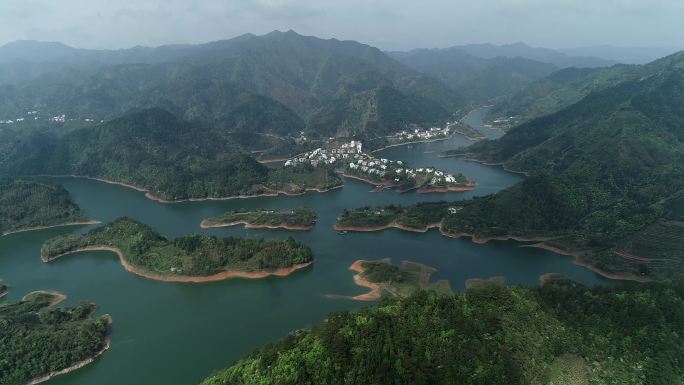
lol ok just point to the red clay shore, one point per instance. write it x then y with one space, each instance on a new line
179 278
57 297
206 225
470 186
392 225
481 241
620 277
77 365
84 223
376 290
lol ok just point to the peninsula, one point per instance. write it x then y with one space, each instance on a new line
40 341
194 258
397 281
27 205
348 159
301 218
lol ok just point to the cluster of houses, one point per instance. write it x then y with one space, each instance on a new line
350 158
331 156
429 134
33 115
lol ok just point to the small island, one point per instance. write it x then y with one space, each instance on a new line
3 288
397 281
301 218
27 205
418 218
40 341
194 258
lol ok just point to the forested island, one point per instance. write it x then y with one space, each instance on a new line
194 258
487 335
31 205
300 218
40 341
383 277
420 217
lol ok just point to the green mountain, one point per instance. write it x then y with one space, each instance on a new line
544 55
26 204
561 333
477 79
155 150
604 169
280 83
567 87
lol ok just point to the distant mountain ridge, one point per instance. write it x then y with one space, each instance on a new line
254 83
544 55
478 79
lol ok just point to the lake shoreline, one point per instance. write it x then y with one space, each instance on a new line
376 290
37 228
248 225
57 297
540 244
149 195
79 364
281 272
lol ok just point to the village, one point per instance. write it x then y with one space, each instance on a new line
434 133
34 115
349 159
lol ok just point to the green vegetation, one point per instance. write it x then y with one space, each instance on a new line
478 79
603 170
37 339
467 131
417 217
487 335
26 203
280 84
300 178
403 280
298 218
194 255
154 150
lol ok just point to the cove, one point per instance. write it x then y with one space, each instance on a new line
178 333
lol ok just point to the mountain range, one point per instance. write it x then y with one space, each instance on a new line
280 83
605 170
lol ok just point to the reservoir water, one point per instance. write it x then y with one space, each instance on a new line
178 333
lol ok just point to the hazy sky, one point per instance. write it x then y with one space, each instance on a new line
388 24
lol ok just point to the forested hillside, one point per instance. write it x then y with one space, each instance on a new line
603 169
558 334
154 150
25 204
38 339
477 79
279 83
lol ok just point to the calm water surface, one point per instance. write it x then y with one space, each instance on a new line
178 333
